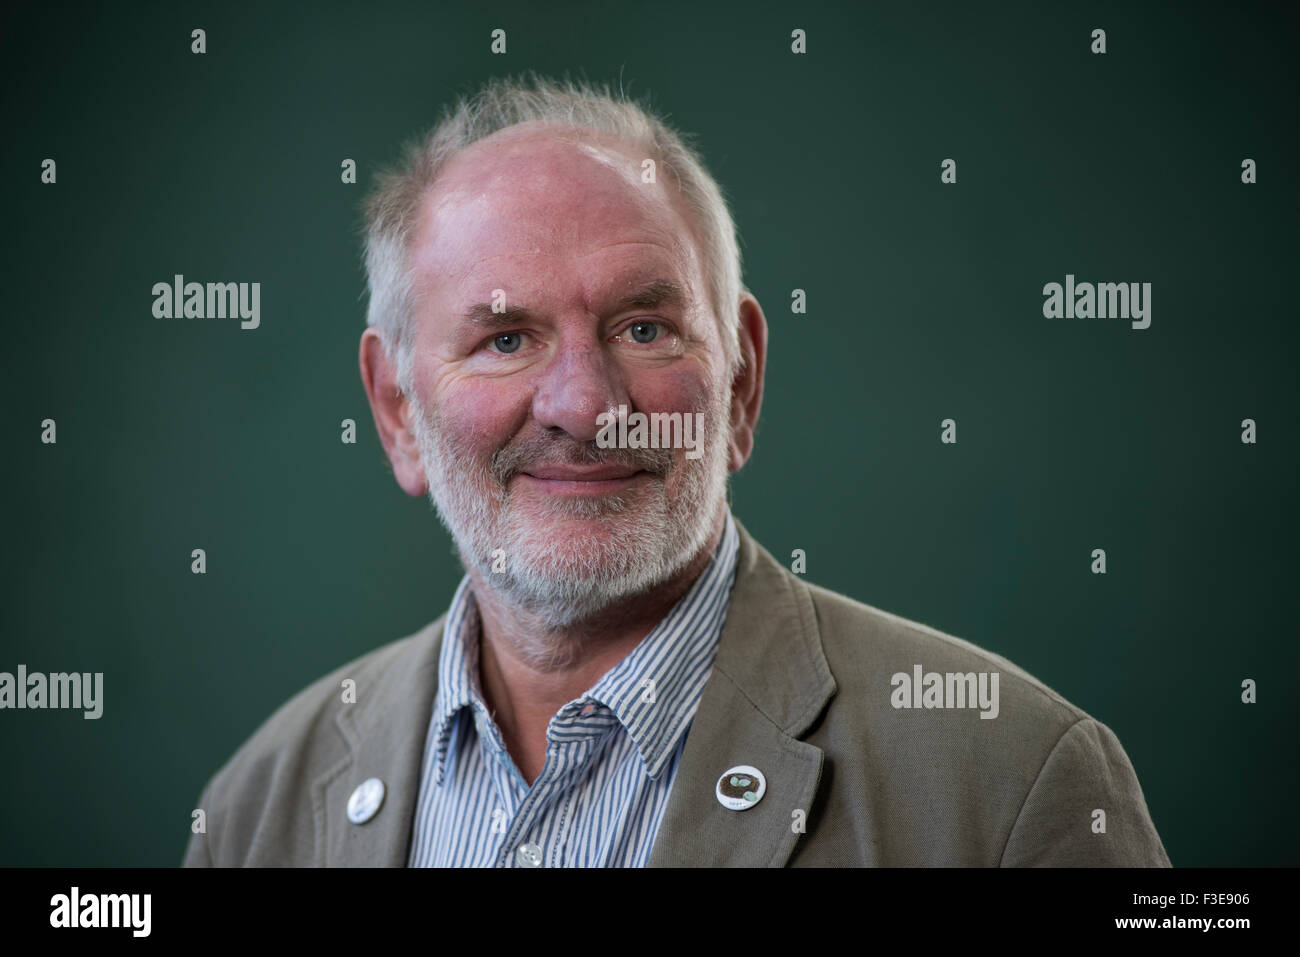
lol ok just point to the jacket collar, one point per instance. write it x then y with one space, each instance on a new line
770 681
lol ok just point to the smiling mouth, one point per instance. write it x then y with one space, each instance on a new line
579 473
570 480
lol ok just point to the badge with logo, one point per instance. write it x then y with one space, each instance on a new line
741 788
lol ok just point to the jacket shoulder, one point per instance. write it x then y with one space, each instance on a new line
261 785
937 783
868 641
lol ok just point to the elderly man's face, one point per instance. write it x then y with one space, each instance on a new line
606 304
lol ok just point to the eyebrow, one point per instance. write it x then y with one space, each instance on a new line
659 292
650 295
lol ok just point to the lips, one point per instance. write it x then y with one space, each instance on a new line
573 473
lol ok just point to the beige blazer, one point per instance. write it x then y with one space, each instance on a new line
803 689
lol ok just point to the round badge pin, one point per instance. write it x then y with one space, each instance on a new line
741 787
365 800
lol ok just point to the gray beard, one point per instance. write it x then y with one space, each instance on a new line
647 540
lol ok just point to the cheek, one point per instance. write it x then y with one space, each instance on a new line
679 389
482 415
686 390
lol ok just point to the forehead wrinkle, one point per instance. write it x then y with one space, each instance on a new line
656 213
606 285
557 238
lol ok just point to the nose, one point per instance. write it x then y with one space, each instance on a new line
579 383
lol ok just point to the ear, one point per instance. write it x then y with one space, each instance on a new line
747 386
393 414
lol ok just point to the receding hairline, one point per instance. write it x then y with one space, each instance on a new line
569 134
633 149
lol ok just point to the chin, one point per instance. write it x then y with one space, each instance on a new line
573 576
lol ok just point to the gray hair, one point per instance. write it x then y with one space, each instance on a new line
391 210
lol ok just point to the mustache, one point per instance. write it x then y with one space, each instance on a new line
519 456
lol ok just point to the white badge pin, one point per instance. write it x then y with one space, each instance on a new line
741 788
365 800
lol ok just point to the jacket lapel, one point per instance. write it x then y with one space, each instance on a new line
385 732
770 681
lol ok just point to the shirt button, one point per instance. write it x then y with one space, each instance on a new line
529 855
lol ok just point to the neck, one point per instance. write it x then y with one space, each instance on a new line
528 670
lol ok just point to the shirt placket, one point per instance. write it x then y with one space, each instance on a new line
538 832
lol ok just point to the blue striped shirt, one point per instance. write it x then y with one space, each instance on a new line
611 758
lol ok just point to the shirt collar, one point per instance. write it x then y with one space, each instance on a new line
653 692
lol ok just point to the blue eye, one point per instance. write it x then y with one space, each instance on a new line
507 342
644 331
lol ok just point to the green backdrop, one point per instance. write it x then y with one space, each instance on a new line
924 303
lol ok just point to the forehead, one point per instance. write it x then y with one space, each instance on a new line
539 201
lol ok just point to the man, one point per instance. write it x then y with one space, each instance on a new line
625 677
